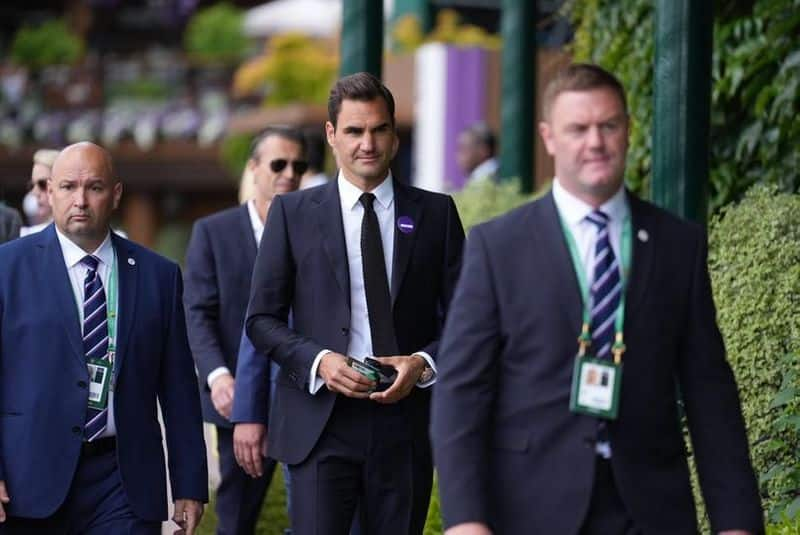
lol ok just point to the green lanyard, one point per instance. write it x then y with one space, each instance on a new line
585 338
111 309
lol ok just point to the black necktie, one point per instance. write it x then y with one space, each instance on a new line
376 285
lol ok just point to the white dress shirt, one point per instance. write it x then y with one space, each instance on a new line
77 274
573 212
359 344
258 230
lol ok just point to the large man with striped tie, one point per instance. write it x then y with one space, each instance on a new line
536 428
92 336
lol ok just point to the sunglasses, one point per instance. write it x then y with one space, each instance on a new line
298 166
40 184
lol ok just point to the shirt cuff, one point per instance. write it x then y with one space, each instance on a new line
432 365
216 373
314 381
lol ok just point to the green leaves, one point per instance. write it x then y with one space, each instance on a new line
50 43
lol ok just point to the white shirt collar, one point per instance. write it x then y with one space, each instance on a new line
73 254
350 194
255 220
574 210
486 169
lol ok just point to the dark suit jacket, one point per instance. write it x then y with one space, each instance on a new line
219 266
302 267
10 223
43 373
508 450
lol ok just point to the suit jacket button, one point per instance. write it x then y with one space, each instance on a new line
82 384
76 429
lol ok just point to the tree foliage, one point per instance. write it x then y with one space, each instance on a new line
51 43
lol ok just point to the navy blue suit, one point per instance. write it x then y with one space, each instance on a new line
302 266
219 265
43 377
508 450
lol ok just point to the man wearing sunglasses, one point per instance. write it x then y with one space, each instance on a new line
219 265
42 165
366 265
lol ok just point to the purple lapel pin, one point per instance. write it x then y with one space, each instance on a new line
405 224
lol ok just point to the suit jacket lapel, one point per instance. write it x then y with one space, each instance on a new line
58 280
251 247
555 250
642 254
329 219
407 205
128 272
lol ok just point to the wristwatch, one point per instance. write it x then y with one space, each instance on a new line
426 375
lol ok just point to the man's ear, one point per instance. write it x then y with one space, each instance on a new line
545 130
330 133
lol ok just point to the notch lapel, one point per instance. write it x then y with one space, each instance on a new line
641 255
555 249
128 271
251 247
407 205
329 219
58 279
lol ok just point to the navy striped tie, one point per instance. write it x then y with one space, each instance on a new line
606 288
95 336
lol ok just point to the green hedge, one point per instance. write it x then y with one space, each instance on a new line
754 259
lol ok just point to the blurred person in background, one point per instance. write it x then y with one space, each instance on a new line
219 260
10 223
475 153
315 154
42 216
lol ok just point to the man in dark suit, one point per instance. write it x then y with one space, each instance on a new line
92 340
523 443
328 256
219 266
10 223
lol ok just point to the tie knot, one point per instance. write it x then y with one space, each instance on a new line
598 218
90 262
366 200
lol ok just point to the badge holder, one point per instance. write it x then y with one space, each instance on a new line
596 382
99 382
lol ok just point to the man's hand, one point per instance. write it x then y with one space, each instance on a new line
341 378
222 394
409 368
735 532
249 446
4 499
187 516
470 528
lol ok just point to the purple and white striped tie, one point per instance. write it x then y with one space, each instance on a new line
95 337
606 288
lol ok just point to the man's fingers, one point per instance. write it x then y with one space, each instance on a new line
4 498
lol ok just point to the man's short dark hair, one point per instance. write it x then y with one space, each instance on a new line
481 134
315 147
361 86
284 131
580 77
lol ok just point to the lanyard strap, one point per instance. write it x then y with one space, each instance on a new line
619 321
111 309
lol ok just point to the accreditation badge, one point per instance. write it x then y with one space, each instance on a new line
99 382
595 387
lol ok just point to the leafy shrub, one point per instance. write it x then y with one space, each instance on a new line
754 260
481 201
214 35
50 43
